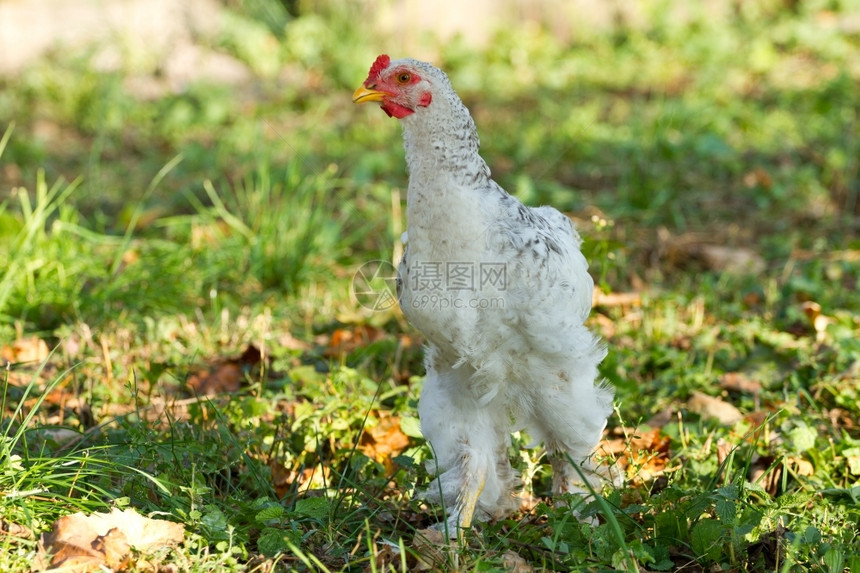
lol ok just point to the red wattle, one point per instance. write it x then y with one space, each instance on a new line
396 110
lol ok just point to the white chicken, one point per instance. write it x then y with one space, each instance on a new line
501 292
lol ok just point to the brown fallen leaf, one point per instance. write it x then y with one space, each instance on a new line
209 235
600 298
32 349
114 546
290 342
384 441
818 321
221 378
801 466
642 453
710 407
758 177
347 340
724 448
847 255
514 563
432 550
766 473
843 419
59 437
81 543
226 375
528 501
286 480
282 478
603 324
13 529
661 418
757 420
696 250
740 260
386 556
739 382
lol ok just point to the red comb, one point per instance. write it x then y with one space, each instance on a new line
380 64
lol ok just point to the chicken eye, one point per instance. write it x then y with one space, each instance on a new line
404 78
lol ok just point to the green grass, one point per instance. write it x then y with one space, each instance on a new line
147 239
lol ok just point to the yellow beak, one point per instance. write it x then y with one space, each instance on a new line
364 95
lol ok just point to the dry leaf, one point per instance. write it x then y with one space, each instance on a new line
208 235
226 375
758 177
290 342
15 530
80 543
384 441
31 349
643 454
846 256
286 480
696 250
710 407
753 298
61 437
514 563
661 418
115 548
738 260
433 551
386 557
528 501
600 298
218 379
345 340
605 325
842 418
724 448
801 466
739 382
282 478
817 320
770 482
756 420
